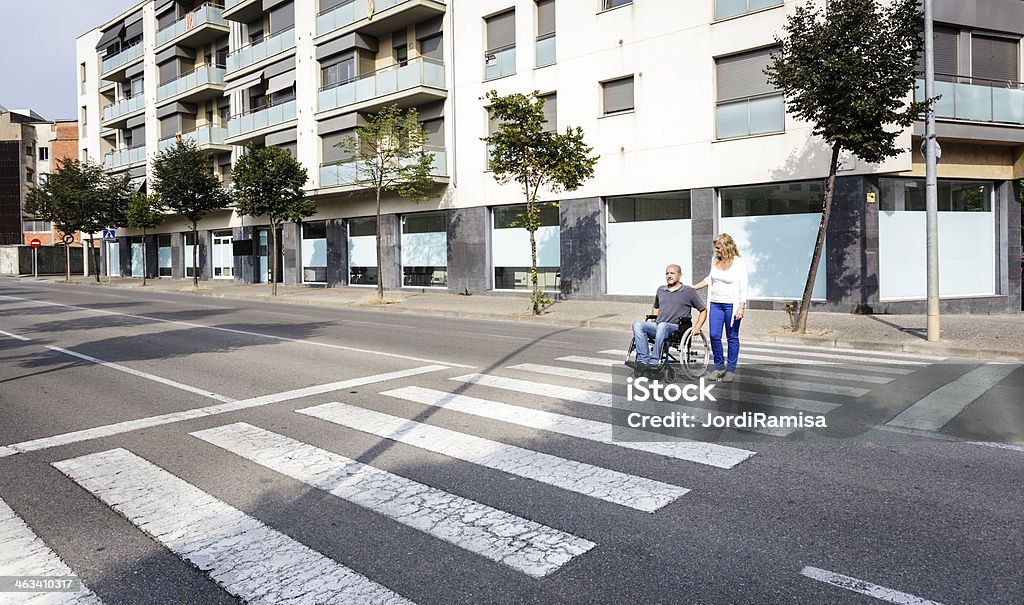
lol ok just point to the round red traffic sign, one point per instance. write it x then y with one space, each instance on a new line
35 243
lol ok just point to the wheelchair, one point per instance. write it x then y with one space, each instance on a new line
682 350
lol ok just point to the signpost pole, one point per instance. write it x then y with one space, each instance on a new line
35 262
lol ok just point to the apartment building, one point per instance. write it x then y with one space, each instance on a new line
693 141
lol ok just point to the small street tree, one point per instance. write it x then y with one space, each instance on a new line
184 179
268 182
144 212
522 150
60 199
848 70
388 156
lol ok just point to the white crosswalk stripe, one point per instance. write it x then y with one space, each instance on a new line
712 454
612 486
245 557
798 353
594 361
771 359
920 357
781 369
538 388
561 371
940 406
801 385
22 553
526 546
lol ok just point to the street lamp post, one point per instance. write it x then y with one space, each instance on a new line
931 181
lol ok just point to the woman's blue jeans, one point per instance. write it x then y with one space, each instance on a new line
719 317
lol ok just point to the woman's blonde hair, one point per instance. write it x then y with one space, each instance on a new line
729 250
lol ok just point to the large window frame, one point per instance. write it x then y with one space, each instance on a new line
746 106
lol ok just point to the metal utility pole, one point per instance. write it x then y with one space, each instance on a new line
931 184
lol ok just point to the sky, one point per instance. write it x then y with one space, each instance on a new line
37 46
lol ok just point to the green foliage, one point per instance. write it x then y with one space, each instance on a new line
184 179
523 151
268 181
848 69
144 212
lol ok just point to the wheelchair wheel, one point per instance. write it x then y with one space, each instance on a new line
670 374
696 354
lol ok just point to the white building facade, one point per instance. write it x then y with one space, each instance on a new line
670 94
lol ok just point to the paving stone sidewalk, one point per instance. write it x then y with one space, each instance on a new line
998 336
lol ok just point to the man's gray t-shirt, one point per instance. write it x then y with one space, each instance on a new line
674 306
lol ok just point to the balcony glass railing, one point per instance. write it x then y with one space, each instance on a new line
132 52
417 72
199 77
976 99
202 136
207 13
116 110
546 50
349 173
252 121
347 14
124 157
500 62
254 53
232 3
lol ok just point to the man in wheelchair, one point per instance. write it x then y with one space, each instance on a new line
671 314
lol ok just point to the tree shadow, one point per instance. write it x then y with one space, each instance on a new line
584 253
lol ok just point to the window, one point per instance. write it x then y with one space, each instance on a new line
223 257
649 207
314 252
610 4
730 8
511 249
425 250
282 18
30 176
994 59
341 71
953 196
661 222
545 32
431 47
500 56
38 226
163 246
550 112
617 95
255 31
362 252
81 76
44 178
747 103
44 154
765 200
28 150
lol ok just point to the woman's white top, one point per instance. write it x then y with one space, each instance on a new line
728 286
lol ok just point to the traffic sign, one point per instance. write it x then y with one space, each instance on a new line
69 238
108 235
35 243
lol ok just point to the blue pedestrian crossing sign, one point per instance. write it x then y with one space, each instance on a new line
108 235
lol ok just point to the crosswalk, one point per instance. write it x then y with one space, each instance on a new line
255 562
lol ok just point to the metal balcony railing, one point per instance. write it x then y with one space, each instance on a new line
209 12
417 72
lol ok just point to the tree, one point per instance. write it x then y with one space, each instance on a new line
268 182
144 212
80 196
522 150
185 181
848 69
388 155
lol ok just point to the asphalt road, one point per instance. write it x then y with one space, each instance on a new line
484 490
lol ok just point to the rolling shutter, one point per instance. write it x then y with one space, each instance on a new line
501 30
994 58
742 76
618 95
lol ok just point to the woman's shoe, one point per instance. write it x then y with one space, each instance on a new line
716 374
728 376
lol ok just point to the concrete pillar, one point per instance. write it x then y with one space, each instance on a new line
703 226
337 253
152 251
243 266
391 251
177 264
469 232
204 241
124 246
290 259
1008 244
582 246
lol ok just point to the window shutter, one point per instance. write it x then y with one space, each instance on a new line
501 30
741 76
551 112
946 52
994 58
431 47
545 17
618 95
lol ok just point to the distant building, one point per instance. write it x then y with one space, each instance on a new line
56 141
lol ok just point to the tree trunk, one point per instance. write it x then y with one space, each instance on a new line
145 261
819 243
380 277
531 218
96 260
195 256
273 261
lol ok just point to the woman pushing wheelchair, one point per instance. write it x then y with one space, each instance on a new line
727 300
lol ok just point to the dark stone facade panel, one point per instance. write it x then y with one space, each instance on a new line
291 234
337 253
177 263
468 250
391 251
581 246
152 252
704 216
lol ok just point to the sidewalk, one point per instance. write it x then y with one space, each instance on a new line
972 336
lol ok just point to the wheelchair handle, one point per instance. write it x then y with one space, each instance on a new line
650 317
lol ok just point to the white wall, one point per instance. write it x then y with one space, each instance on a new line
639 251
512 247
778 250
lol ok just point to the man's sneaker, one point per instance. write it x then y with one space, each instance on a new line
728 376
716 374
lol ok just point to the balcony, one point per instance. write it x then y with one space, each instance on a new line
419 81
250 55
123 158
348 174
252 124
500 62
388 16
122 59
204 82
242 11
199 27
977 100
204 137
122 109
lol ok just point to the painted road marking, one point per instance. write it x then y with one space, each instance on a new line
375 353
865 588
913 360
23 553
712 454
635 492
820 362
800 385
15 336
594 361
523 545
241 554
942 437
781 369
943 404
874 354
141 423
566 372
538 388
